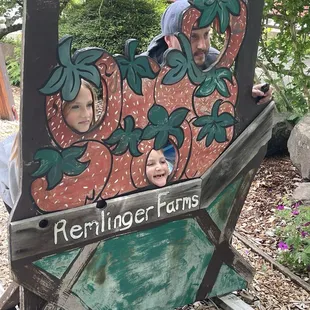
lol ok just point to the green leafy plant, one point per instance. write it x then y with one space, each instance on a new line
214 125
13 63
294 234
126 138
215 80
66 77
54 164
210 9
182 62
134 68
162 125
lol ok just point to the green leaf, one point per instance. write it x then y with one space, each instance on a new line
161 139
88 56
226 120
203 120
73 152
72 85
220 134
115 137
74 167
177 117
143 67
129 123
54 176
178 64
90 73
130 49
149 132
133 148
178 134
55 82
222 88
158 115
215 108
123 64
64 51
202 133
211 136
134 81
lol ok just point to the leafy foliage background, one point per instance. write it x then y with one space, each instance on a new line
109 23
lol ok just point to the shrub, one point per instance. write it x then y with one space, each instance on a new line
13 63
294 235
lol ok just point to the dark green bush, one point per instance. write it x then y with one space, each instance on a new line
109 23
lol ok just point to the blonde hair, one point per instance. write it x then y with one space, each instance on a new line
66 104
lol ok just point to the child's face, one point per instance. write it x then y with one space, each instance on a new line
79 113
157 168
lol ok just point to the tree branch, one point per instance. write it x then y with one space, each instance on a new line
10 29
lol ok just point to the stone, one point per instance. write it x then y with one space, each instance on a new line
280 134
302 192
299 147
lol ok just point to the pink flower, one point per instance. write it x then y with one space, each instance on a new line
281 207
295 212
307 224
304 234
296 204
282 246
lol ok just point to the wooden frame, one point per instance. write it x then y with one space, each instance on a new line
199 206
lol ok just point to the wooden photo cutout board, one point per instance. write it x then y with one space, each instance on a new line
89 230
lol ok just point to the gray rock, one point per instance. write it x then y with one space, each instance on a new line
302 192
281 131
299 147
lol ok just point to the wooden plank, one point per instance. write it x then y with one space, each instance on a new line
29 300
297 280
246 108
237 156
6 96
87 224
231 302
10 298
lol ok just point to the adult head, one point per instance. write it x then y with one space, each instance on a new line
80 113
157 170
171 23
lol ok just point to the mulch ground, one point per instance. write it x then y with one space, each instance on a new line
270 289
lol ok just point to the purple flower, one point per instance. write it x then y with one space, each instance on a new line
295 212
280 207
282 246
304 234
296 204
307 224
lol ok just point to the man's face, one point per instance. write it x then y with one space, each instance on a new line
200 43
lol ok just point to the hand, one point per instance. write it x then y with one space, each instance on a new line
256 92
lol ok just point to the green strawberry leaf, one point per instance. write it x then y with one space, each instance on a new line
126 138
66 77
213 127
53 164
161 140
215 80
210 9
177 117
134 68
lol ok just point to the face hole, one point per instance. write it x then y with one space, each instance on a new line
160 165
43 223
101 204
85 110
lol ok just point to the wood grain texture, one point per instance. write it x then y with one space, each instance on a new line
237 156
27 236
29 300
10 298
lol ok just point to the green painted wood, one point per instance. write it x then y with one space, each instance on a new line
160 268
57 264
228 280
220 208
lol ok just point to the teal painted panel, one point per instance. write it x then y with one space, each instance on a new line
221 206
228 280
57 264
158 269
